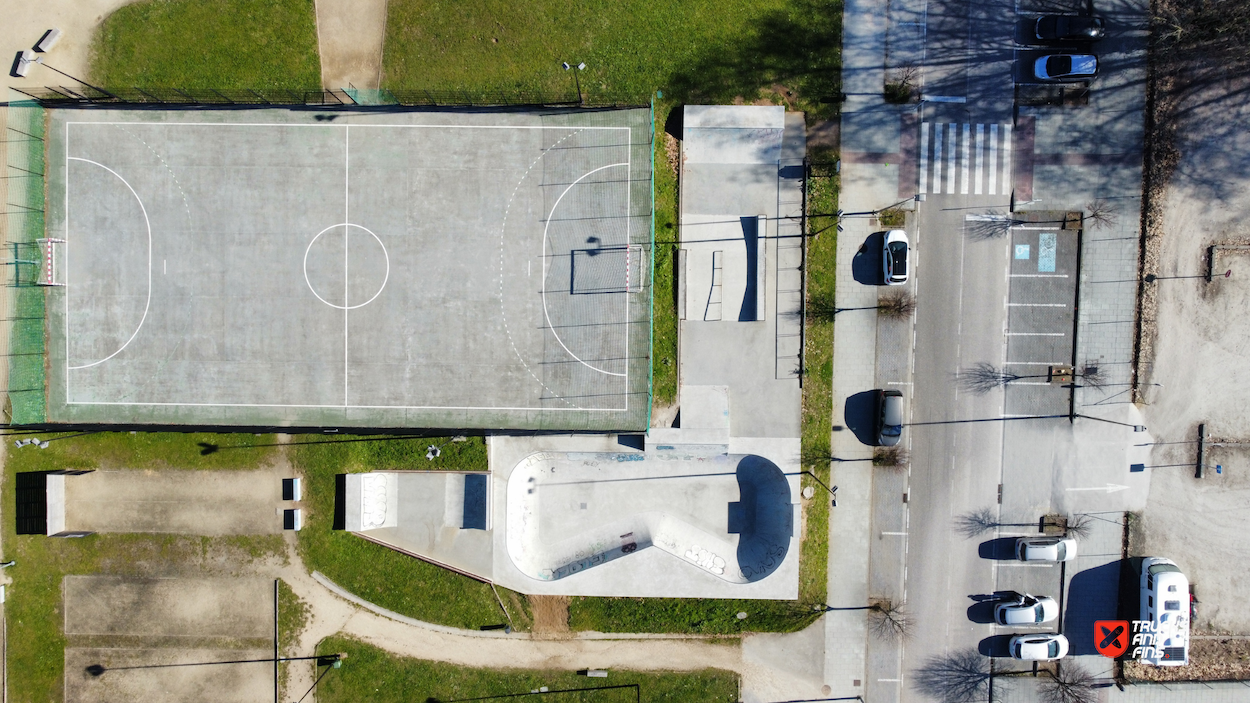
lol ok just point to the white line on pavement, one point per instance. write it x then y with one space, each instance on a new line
993 158
1039 275
924 158
1037 305
963 177
980 160
1006 159
952 137
1037 334
895 534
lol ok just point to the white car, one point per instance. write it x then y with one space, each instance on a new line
1065 67
1026 610
1039 648
894 257
1052 549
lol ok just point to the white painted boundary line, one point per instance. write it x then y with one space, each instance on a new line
346 127
924 158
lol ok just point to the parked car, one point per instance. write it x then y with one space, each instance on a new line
1045 549
895 257
1061 28
1039 647
1026 610
1065 67
889 417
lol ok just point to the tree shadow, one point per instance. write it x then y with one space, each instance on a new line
860 415
866 267
797 47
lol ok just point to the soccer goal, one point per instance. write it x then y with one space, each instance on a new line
51 262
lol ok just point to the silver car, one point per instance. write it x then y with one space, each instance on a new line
889 417
1026 610
895 257
1052 549
1038 648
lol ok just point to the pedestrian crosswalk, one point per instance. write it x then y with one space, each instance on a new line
965 158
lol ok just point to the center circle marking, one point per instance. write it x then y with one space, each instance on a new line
386 256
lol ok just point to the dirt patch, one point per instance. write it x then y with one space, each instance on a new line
114 605
672 152
182 684
663 415
824 134
551 614
1209 660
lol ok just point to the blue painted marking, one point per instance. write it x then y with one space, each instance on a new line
1134 468
1022 251
1046 252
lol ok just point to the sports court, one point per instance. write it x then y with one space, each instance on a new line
476 269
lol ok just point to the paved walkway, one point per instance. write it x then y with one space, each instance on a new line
350 35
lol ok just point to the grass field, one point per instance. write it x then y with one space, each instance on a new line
370 675
223 44
36 642
380 575
705 50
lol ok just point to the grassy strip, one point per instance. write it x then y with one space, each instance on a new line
664 289
221 44
703 616
371 675
822 197
33 606
693 50
380 575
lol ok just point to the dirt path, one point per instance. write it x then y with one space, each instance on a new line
25 23
350 35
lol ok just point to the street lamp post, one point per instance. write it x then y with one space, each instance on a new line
580 67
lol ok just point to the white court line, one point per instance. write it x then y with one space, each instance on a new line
347 234
993 179
629 154
338 407
963 176
147 305
952 137
324 126
976 189
544 288
924 157
938 136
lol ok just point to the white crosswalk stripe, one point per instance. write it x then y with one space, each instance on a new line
975 159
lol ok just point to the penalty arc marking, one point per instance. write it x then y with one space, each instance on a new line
147 304
544 258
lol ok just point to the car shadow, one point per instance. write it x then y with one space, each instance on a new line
982 612
995 646
866 266
1093 595
860 415
1000 548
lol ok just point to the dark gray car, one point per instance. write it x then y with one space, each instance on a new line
889 417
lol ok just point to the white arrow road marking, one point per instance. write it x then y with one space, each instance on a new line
1110 488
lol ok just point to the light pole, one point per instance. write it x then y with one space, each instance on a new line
580 67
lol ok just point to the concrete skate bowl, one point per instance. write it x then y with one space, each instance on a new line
728 515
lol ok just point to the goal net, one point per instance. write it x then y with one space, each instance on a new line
51 262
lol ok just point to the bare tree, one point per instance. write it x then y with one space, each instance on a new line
890 457
896 305
991 225
976 522
889 620
1079 526
1091 375
957 677
1100 213
983 377
1068 683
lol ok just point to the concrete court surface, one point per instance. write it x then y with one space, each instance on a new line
294 267
224 683
237 608
210 503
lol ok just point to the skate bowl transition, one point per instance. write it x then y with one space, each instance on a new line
730 515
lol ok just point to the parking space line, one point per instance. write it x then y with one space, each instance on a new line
963 176
1035 566
1037 305
1029 383
895 534
1039 275
1035 363
1037 334
993 158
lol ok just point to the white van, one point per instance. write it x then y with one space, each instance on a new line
1165 608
